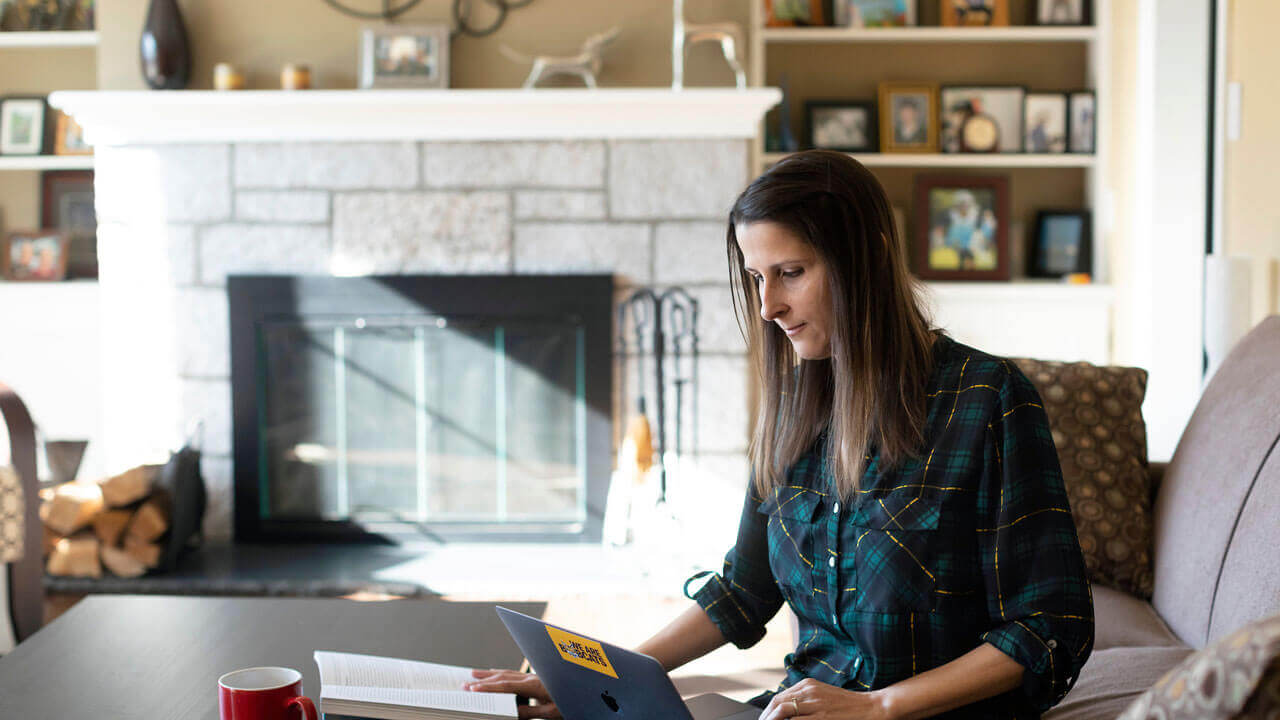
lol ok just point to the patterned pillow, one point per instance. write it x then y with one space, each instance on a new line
1095 414
11 515
1236 677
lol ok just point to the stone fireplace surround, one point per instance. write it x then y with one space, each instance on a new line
193 187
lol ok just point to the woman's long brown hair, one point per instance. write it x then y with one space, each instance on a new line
871 390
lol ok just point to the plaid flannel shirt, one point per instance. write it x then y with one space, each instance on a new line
972 542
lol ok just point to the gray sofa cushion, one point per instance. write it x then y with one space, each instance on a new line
1250 584
1205 486
1122 620
1114 678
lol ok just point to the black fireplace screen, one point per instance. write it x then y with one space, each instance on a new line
447 420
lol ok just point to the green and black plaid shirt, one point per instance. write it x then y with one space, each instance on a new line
971 543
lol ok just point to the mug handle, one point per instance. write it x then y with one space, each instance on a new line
304 703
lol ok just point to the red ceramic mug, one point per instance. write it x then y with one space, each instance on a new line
263 693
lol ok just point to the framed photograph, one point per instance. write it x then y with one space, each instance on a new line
874 13
962 227
793 13
22 125
974 13
842 125
1044 123
1062 244
405 56
982 118
1062 12
908 117
68 137
67 205
36 255
1082 122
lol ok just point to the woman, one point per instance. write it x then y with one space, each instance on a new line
906 498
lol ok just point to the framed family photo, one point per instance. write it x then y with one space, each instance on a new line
984 118
793 13
1062 244
973 13
1044 122
68 137
874 13
67 205
849 126
908 117
36 255
1082 122
405 56
962 227
1062 12
22 125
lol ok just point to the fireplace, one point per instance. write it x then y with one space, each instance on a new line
409 407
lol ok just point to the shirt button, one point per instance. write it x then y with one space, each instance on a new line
835 509
831 562
1053 644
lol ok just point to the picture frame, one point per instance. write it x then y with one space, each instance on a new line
1044 123
873 13
68 136
1002 103
844 125
961 227
1082 122
973 13
405 56
34 255
794 13
908 117
1064 12
23 125
67 204
1062 244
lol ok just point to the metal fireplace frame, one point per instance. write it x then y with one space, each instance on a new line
255 299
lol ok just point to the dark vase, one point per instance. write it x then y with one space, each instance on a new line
166 55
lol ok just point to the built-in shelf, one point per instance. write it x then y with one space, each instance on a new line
49 39
47 162
1023 290
929 34
961 160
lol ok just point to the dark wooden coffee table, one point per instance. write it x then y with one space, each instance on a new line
159 657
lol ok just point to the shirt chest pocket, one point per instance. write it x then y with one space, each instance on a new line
894 547
791 512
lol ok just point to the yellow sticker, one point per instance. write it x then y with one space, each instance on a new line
581 651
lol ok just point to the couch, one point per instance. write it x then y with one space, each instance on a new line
1216 538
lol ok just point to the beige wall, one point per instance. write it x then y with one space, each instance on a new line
1250 208
259 36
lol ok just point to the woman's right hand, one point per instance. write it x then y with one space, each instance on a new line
524 685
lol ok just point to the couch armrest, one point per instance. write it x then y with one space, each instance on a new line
1155 473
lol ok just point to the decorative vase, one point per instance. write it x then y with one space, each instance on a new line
166 54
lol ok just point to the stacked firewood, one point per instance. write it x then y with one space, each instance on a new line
117 523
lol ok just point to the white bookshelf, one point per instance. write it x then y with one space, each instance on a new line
961 160
49 39
929 35
46 162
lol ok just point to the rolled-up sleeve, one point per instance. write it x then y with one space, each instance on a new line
743 597
1038 597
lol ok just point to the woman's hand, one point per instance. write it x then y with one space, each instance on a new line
524 685
812 699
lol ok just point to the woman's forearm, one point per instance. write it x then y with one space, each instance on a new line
690 636
978 674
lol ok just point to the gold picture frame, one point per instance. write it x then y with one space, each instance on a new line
908 117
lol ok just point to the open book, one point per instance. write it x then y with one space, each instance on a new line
368 686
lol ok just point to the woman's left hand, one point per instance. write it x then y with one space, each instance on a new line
810 698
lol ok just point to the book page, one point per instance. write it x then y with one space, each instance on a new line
499 704
352 670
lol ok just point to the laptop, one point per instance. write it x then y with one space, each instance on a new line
593 680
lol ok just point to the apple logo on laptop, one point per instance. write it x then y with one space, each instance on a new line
608 700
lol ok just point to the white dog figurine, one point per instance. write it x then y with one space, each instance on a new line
586 64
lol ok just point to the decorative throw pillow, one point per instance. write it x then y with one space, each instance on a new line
11 515
1236 677
1095 414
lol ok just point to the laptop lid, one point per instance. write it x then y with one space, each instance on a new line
593 680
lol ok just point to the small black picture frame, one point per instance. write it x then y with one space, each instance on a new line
1063 12
844 125
1062 244
24 125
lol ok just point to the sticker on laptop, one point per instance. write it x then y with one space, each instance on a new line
581 651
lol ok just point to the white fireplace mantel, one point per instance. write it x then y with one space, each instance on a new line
146 117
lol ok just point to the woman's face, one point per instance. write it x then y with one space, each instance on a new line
792 282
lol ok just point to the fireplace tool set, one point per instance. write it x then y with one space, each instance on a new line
663 324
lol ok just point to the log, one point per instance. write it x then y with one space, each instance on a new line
150 520
129 486
109 525
122 563
76 557
72 507
144 552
